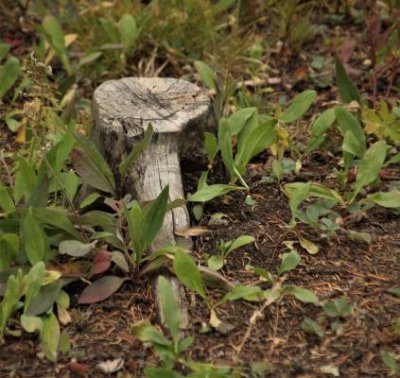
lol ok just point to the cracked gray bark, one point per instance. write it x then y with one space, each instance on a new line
179 113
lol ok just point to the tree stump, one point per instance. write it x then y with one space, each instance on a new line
178 112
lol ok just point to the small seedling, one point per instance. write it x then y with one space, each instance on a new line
338 308
224 249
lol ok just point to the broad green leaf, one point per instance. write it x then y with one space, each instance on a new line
154 216
242 292
188 273
102 219
289 262
40 194
206 73
253 143
6 202
25 180
50 336
128 31
135 222
386 199
33 281
34 239
65 342
8 74
225 145
146 332
303 295
31 323
354 138
44 300
55 37
185 344
170 308
338 308
209 370
13 124
136 151
347 90
57 218
267 137
91 165
75 248
310 326
243 122
370 166
119 259
321 191
179 202
297 193
240 242
215 262
263 273
323 122
101 289
299 106
63 299
211 146
92 197
67 182
212 191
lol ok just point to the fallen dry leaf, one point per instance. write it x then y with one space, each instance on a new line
192 231
111 366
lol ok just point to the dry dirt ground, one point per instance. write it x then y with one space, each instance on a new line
360 272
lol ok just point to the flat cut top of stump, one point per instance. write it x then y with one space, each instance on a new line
170 105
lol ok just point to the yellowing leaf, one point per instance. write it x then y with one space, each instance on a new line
308 245
51 276
69 39
21 135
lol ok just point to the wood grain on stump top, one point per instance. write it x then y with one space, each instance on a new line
170 105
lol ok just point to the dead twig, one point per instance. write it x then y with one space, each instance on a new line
275 293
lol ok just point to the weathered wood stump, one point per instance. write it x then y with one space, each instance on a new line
178 112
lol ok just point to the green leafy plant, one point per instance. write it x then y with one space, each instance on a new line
224 249
338 308
9 73
167 350
34 232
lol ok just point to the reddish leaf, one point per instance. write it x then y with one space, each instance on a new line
101 262
101 289
80 369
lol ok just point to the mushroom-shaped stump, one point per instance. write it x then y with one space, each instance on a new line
178 112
